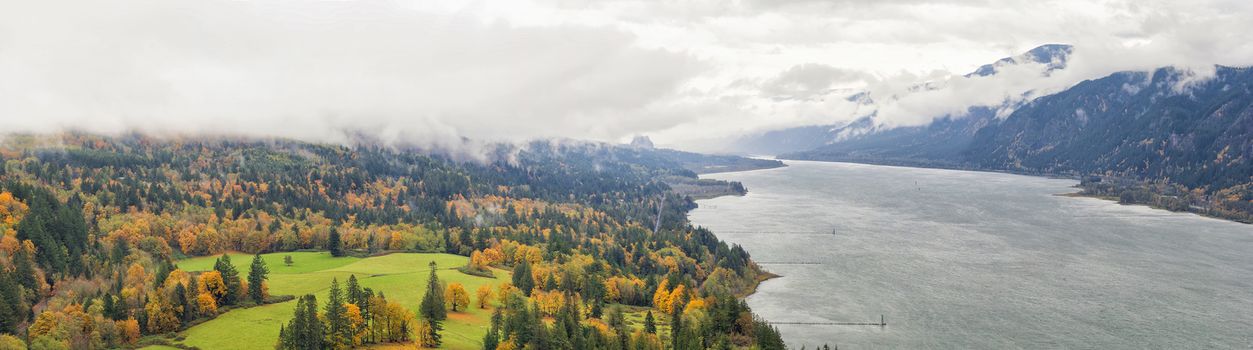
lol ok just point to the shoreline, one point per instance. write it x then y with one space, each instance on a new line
1116 200
918 165
762 278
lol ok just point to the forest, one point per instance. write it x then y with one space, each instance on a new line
94 228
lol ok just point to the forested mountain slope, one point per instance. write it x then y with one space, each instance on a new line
92 226
939 143
1157 125
1165 138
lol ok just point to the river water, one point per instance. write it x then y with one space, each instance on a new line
974 260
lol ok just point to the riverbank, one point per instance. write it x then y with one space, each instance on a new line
1116 199
1121 190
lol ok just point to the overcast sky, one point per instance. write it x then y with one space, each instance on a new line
682 72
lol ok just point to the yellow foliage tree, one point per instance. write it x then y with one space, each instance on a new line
508 344
661 298
129 330
549 302
675 299
456 297
477 261
178 276
11 209
424 334
208 305
504 290
161 316
493 256
645 341
211 283
484 294
136 277
44 324
9 342
397 241
356 322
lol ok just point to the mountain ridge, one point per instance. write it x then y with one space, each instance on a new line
1161 138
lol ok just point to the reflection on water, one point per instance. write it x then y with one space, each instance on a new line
957 259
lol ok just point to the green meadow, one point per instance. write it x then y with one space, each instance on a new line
400 276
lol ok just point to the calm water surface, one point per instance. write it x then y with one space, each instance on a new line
958 259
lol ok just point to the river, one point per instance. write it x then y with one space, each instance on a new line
976 260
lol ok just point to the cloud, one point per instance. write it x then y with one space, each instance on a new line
805 81
320 70
436 72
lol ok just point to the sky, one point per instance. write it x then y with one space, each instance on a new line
686 73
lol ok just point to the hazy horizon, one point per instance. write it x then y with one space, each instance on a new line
686 74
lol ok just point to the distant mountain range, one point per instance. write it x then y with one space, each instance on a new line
864 139
1137 124
1163 138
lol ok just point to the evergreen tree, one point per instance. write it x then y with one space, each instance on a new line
767 337
432 307
338 330
10 303
163 272
119 311
650 325
597 308
230 277
522 277
492 339
615 318
676 329
334 244
257 274
120 250
185 309
305 330
24 271
107 305
355 294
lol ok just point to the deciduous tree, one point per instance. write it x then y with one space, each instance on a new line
458 298
484 296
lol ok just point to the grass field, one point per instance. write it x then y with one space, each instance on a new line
401 277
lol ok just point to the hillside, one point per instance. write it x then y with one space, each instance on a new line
862 140
95 230
1155 138
1154 126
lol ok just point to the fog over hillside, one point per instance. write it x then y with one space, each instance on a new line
685 73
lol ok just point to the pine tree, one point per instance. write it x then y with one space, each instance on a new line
24 271
493 334
650 325
230 277
107 305
355 294
257 274
163 272
185 309
305 330
676 329
522 277
120 250
10 301
432 308
334 245
339 331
